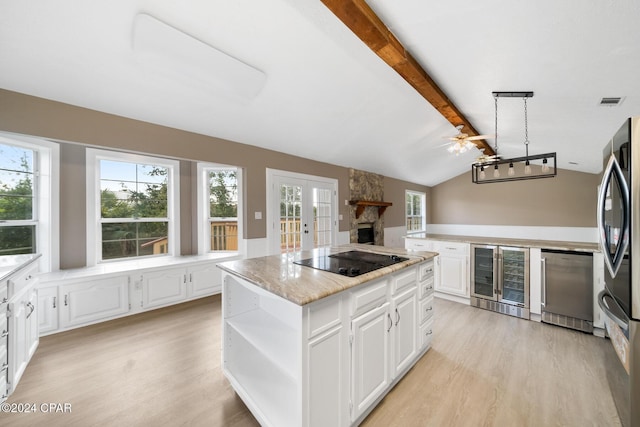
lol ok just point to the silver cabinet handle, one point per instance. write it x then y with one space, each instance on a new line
429 332
66 300
31 306
543 274
397 317
4 334
428 309
54 302
390 322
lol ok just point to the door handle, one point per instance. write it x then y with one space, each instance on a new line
390 322
604 307
543 276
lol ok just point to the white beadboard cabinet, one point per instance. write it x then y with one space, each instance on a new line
277 354
86 297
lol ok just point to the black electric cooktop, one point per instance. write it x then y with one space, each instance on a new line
351 263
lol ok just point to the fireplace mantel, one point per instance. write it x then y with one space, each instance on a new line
361 204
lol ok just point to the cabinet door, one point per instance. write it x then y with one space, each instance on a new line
47 309
405 330
370 357
454 275
93 301
327 396
164 287
204 279
23 334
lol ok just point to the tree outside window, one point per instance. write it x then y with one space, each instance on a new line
223 209
133 209
17 194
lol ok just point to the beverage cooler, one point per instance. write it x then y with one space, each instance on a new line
500 279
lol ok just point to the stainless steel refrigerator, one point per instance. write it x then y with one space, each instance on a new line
619 234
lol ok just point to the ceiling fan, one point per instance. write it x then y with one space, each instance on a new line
462 142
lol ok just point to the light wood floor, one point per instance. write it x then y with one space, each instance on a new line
163 369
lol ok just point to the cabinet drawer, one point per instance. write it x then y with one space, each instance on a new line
452 248
368 297
426 335
22 279
426 309
425 289
425 271
418 244
404 280
324 315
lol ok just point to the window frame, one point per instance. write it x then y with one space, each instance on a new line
46 201
94 220
203 218
423 210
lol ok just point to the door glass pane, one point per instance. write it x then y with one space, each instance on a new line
483 272
321 217
290 211
513 276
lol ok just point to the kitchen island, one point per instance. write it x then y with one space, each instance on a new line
306 347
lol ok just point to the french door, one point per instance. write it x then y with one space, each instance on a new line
301 212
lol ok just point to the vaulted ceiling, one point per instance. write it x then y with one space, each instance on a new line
289 75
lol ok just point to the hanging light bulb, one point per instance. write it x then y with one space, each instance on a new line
511 171
545 165
527 168
482 174
496 171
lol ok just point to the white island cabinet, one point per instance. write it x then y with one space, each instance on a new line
326 360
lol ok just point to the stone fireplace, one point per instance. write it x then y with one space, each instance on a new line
369 224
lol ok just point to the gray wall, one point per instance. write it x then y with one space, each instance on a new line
568 200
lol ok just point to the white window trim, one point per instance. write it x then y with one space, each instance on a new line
47 185
423 208
202 188
93 156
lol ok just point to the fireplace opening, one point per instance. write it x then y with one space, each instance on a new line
365 233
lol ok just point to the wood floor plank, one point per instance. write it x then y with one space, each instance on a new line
162 368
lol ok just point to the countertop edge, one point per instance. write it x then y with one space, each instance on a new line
306 285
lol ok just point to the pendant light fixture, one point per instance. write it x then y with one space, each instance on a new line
517 168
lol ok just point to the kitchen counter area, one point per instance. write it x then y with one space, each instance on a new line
502 241
286 325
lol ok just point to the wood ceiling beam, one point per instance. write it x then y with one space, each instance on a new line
364 23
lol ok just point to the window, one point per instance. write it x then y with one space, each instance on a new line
416 221
134 210
219 191
18 214
29 198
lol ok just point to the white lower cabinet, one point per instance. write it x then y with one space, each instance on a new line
370 358
66 304
47 309
327 363
92 301
160 288
23 330
405 330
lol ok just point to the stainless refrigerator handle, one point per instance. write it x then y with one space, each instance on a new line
543 276
604 307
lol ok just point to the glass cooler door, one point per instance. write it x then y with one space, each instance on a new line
483 275
514 274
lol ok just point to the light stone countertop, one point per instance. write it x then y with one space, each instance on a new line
10 264
303 285
527 243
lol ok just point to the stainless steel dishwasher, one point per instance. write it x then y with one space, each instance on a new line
567 289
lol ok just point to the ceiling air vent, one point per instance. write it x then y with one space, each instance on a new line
610 102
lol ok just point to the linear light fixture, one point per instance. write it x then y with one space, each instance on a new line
494 169
181 56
